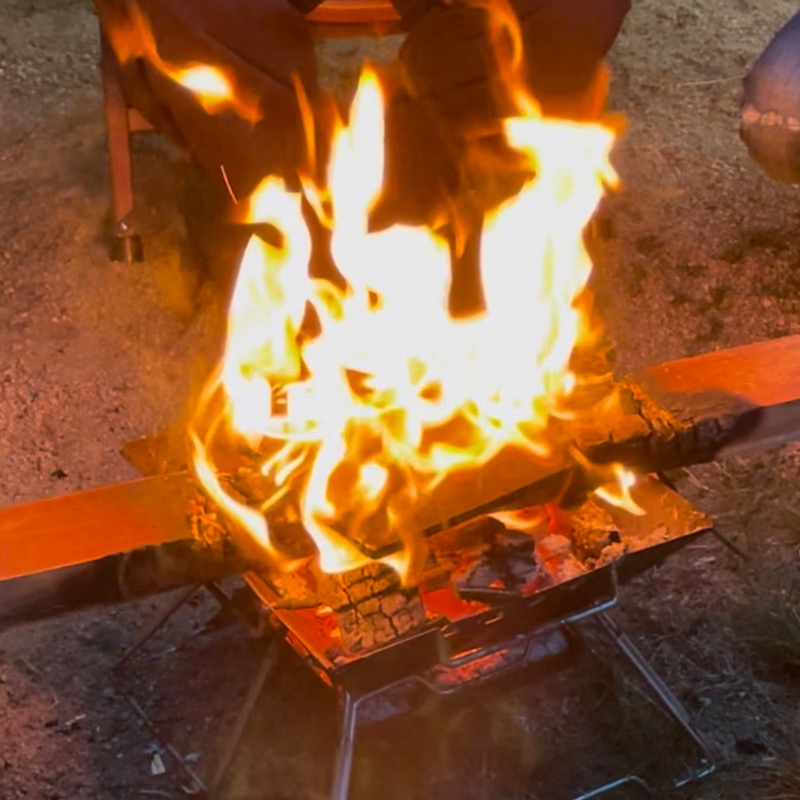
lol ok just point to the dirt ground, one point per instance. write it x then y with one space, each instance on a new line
92 354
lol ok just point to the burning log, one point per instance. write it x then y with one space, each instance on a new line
680 413
702 408
370 606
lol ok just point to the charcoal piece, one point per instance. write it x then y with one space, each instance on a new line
556 553
506 565
593 530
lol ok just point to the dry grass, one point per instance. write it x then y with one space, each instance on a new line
769 625
780 780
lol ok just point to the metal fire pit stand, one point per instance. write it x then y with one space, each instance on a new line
669 702
503 639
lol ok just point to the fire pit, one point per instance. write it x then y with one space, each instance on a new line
490 601
340 437
416 497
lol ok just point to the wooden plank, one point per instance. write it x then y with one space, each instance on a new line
115 578
679 413
766 373
702 408
675 414
758 383
88 525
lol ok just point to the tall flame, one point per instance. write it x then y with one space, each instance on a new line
359 397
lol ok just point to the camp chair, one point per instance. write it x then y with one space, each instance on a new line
332 19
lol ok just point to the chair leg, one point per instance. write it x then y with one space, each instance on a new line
125 244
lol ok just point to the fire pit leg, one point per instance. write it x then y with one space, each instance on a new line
246 711
348 707
664 694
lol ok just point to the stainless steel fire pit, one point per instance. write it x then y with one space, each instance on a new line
471 634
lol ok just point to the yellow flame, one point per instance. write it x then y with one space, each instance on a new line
530 520
252 521
210 85
133 38
388 393
617 492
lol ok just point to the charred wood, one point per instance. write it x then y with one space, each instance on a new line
371 606
675 414
115 579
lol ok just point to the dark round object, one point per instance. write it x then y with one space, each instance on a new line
770 111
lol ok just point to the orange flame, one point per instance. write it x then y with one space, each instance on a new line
390 393
617 490
214 90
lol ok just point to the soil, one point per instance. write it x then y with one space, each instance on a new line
92 354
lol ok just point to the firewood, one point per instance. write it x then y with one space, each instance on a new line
379 620
675 414
116 579
84 526
370 606
680 413
705 407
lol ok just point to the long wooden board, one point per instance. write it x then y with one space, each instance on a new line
757 386
675 414
678 413
85 526
703 408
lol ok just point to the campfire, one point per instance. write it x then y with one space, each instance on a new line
415 494
356 397
343 404
354 418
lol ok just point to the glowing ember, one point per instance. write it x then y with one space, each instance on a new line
360 397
